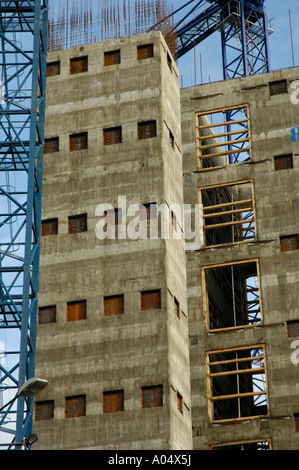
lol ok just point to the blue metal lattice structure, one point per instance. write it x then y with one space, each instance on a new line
23 50
243 26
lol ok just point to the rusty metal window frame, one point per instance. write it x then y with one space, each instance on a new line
47 314
78 141
283 162
113 305
113 401
75 406
237 374
152 396
223 137
293 328
53 68
229 218
76 310
289 243
51 145
78 65
278 87
112 58
147 129
112 135
145 51
77 224
249 304
44 410
49 227
150 300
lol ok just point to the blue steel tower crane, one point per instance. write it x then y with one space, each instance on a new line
243 27
23 50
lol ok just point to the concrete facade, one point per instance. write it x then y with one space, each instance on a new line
137 348
169 345
276 214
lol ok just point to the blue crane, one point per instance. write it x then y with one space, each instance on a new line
23 50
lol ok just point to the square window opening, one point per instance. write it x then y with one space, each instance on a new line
49 227
75 406
78 65
283 162
145 51
77 223
76 311
150 300
152 397
147 130
112 135
47 315
51 145
78 141
113 401
111 58
113 305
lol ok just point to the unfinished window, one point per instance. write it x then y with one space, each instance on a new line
152 397
146 51
113 305
49 227
78 65
171 139
278 87
111 58
246 445
76 311
293 328
283 162
223 137
228 212
289 242
77 223
78 141
231 296
44 410
174 221
177 309
296 418
113 135
51 145
75 406
237 383
53 68
150 300
169 61
113 401
179 402
47 315
148 211
147 130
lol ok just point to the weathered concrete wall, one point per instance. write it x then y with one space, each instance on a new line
137 348
276 194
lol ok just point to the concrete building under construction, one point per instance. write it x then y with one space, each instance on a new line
146 344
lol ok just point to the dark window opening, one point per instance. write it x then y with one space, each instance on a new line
180 402
171 139
169 61
113 305
78 141
51 145
147 130
283 162
111 58
150 300
231 295
75 406
78 65
53 68
76 311
289 242
113 135
145 51
293 328
177 309
47 315
49 227
113 401
152 397
278 87
44 410
77 223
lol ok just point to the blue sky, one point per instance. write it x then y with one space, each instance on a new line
279 41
